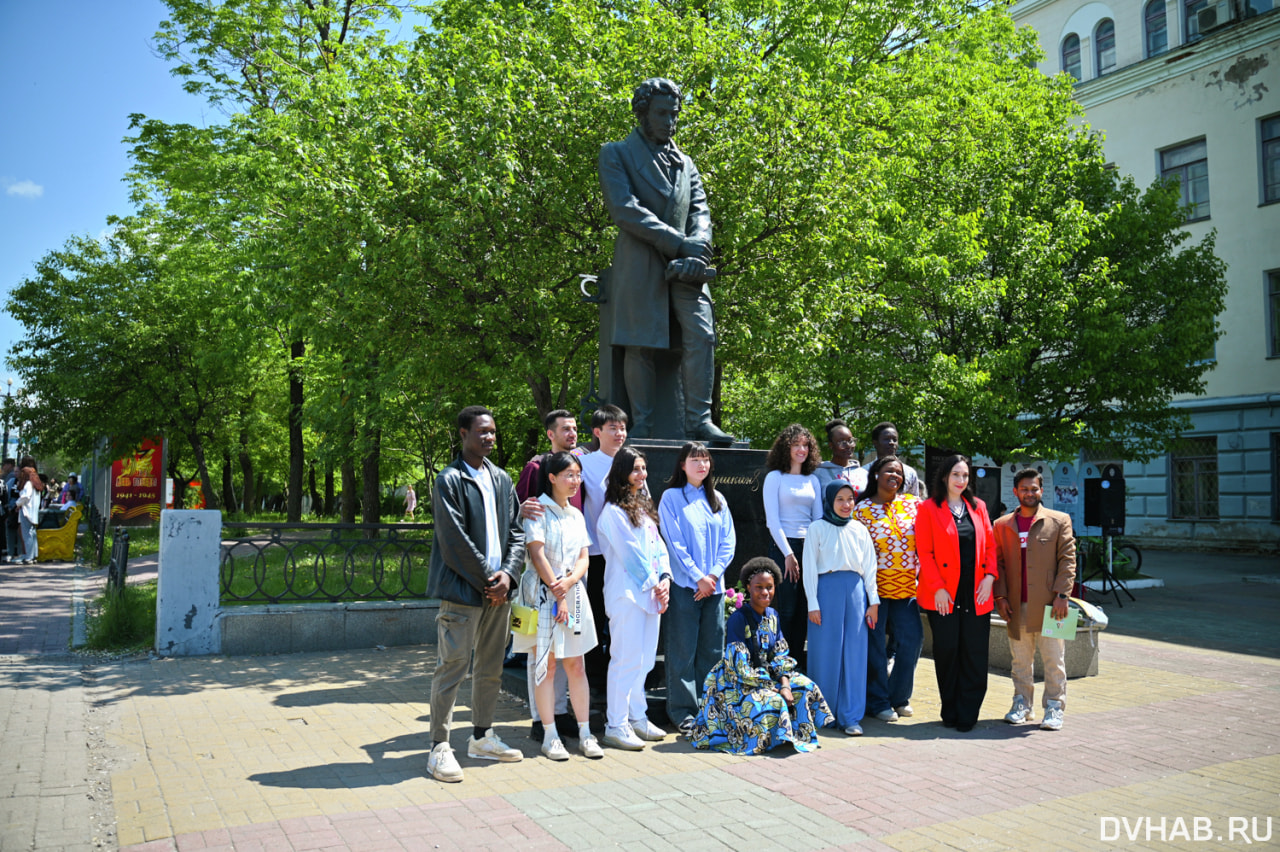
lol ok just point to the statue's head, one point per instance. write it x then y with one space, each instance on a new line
656 104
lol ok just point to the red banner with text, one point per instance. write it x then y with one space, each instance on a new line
136 484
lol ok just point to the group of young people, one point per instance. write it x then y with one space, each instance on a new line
22 493
855 553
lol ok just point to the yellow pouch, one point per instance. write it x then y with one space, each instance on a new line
524 620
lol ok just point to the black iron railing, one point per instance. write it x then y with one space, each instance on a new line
273 563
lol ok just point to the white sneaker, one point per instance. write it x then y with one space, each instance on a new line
646 730
623 738
854 730
1052 716
1020 712
555 750
489 747
904 711
590 747
442 765
887 715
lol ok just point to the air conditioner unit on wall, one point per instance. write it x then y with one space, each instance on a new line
1217 15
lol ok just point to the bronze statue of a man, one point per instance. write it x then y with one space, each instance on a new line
661 262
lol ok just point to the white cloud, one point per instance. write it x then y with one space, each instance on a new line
25 189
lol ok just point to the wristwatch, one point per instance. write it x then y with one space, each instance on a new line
1062 597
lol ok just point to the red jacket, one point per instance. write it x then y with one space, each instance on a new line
938 546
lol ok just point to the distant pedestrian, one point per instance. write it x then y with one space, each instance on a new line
28 503
9 490
477 555
410 501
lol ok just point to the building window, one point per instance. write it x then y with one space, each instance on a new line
1157 28
1071 55
1193 465
1190 23
1254 8
1189 165
1271 159
1104 46
1273 313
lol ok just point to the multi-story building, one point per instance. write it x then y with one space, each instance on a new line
1191 89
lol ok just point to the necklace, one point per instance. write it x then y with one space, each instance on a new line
957 509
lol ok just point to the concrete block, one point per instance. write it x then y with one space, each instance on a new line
256 630
1230 506
1142 485
1262 419
1206 422
1258 508
1230 462
187 594
1158 506
319 628
1257 483
1082 655
1231 484
1158 466
382 626
1257 461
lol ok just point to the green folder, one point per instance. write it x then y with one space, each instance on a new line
1060 629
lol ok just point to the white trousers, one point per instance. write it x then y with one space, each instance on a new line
633 649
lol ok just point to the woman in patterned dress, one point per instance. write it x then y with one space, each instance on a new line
890 516
754 699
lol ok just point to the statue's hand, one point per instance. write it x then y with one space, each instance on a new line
696 249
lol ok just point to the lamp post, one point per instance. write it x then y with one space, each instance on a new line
7 393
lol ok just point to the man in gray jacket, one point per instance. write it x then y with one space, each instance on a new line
477 555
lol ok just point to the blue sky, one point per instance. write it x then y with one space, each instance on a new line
71 73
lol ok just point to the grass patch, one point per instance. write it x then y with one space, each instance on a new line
349 568
123 619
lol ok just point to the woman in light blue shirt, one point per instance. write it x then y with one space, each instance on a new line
698 529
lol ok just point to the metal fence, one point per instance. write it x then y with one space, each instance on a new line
273 563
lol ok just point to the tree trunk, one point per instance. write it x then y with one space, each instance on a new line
317 505
328 489
228 486
206 483
349 498
371 499
296 450
179 481
249 499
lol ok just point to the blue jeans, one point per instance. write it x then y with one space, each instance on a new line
695 643
29 541
902 619
13 536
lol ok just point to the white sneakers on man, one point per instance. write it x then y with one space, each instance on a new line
1052 716
489 747
442 765
1020 712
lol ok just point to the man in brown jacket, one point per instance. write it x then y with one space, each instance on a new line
1036 553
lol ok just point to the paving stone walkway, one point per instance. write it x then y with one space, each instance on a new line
1173 745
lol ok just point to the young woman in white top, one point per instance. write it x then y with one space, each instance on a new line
792 501
556 547
840 585
637 587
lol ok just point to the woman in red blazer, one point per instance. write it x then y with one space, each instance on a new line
957 552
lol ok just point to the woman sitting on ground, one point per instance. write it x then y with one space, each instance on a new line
754 699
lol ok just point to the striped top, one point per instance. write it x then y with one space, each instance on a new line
893 532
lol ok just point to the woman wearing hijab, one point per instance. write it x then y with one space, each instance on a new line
840 585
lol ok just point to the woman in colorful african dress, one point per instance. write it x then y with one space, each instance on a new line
754 699
889 515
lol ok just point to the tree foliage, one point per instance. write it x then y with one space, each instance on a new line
910 223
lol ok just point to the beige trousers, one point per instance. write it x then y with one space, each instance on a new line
1054 654
462 630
